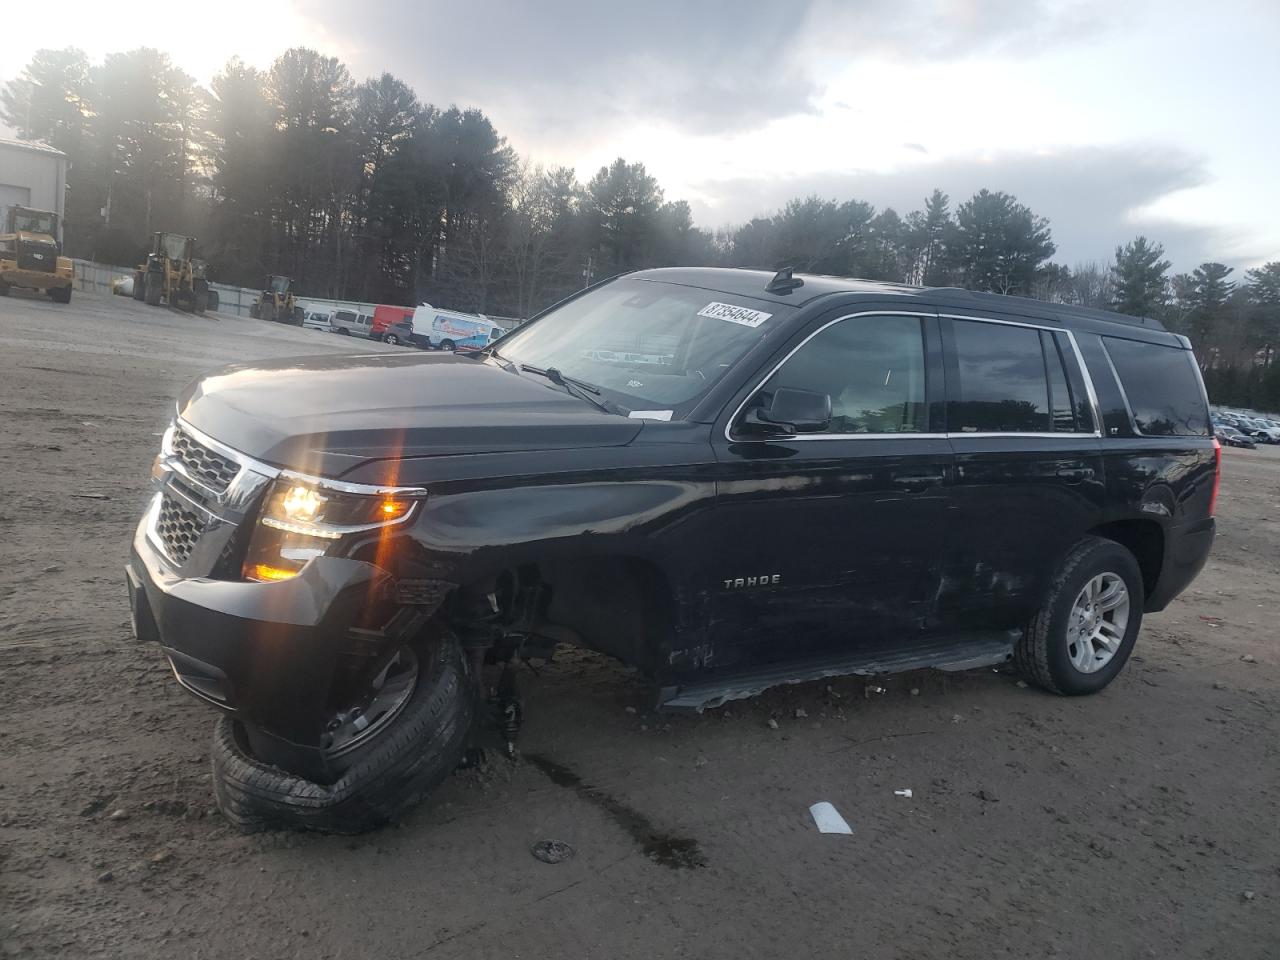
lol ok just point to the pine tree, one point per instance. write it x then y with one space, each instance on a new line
1138 277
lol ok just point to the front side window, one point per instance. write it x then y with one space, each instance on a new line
872 368
648 345
1162 387
1003 385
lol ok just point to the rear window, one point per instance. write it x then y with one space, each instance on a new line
1162 388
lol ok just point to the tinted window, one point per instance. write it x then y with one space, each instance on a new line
1161 386
873 370
1003 386
1060 400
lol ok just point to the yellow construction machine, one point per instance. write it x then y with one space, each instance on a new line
172 274
277 302
30 255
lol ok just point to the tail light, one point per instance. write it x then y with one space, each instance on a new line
1217 476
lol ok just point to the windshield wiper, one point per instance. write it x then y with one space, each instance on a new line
574 387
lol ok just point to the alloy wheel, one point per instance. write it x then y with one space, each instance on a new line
1097 624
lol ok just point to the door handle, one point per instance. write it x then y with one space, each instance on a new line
1075 474
919 481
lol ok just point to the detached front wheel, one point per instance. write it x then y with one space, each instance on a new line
388 755
1084 632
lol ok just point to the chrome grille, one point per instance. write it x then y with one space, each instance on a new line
202 465
179 528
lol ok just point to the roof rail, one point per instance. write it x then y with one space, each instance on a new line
784 281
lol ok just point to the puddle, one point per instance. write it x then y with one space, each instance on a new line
659 846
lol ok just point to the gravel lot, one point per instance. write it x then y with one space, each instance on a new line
1140 822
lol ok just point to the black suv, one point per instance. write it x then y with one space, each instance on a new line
728 479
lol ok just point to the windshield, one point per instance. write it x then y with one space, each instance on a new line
279 285
173 246
29 221
656 346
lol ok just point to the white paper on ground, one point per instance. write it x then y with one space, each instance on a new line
828 819
902 793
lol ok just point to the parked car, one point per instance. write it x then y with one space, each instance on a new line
316 320
351 324
1233 437
818 477
1258 429
399 332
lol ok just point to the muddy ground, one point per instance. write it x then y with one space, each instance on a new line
1141 822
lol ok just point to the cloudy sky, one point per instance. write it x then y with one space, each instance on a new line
1111 118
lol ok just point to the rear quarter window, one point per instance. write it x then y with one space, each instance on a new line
1162 387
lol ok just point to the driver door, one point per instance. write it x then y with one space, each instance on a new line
829 543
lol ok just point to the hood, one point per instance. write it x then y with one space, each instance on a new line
328 415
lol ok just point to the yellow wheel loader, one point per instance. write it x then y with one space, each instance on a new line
30 255
172 274
277 302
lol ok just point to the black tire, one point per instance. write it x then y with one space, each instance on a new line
392 339
1042 655
385 780
200 302
254 312
60 294
343 331
154 288
139 285
298 316
448 345
4 289
213 301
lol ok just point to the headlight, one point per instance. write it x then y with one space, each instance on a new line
303 518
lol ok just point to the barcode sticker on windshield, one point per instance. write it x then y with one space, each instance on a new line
742 315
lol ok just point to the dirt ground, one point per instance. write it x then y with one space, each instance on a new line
1141 822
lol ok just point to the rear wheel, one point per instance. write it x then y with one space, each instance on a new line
407 736
60 294
154 288
447 345
1085 630
392 339
139 285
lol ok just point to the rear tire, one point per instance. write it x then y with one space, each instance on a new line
384 780
447 345
1054 645
60 294
154 288
139 285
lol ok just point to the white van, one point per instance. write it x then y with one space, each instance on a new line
448 330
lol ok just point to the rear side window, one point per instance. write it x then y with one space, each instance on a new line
1161 386
1002 385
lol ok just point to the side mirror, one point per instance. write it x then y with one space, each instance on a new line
788 411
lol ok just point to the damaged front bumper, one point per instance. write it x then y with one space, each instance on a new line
266 653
